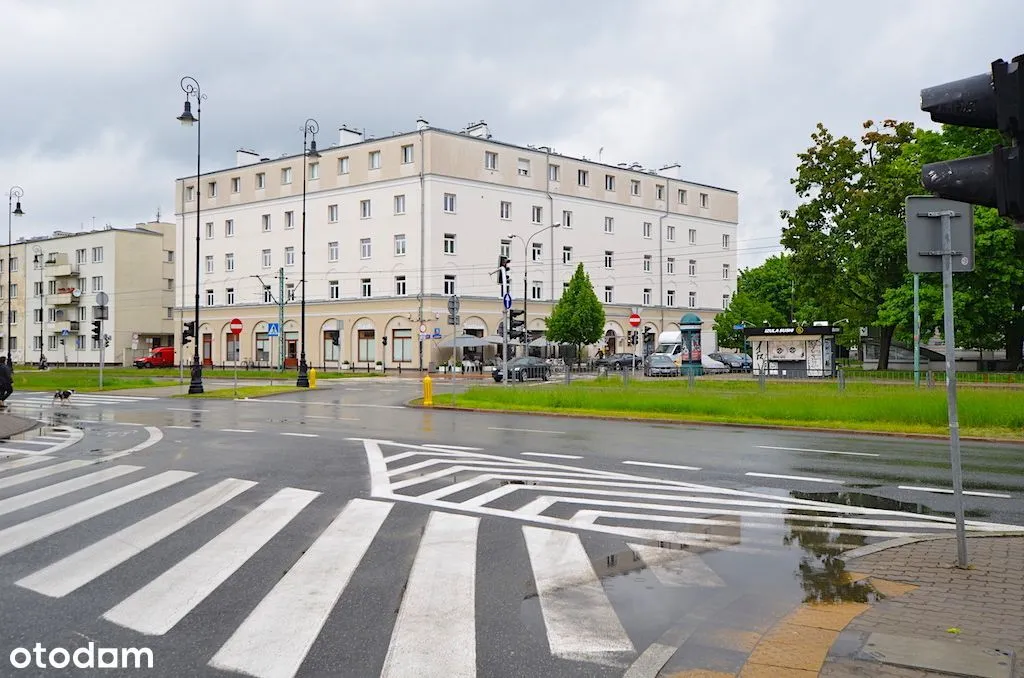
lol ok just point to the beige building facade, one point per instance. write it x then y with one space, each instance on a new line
395 226
56 280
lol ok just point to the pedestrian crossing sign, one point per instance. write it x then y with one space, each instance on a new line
273 329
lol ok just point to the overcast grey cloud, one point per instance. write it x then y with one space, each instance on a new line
731 90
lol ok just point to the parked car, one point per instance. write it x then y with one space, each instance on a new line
736 362
660 365
620 361
522 368
712 366
162 356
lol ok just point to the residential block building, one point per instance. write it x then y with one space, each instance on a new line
396 225
53 282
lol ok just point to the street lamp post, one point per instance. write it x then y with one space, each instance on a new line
14 195
190 86
526 247
42 319
309 129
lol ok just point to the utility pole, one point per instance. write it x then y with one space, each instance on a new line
280 316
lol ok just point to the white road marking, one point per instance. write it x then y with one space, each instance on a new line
674 567
274 639
941 490
266 401
524 430
453 447
324 416
186 428
566 584
435 633
31 531
80 568
36 474
237 430
300 435
185 409
804 478
153 436
803 449
554 456
12 464
656 465
157 607
45 441
34 497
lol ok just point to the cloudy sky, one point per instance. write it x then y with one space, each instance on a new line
730 89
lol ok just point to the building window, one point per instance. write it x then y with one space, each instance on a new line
37 290
51 289
236 184
505 210
211 189
608 256
634 187
538 214
209 263
725 241
554 173
289 219
332 250
566 255
37 343
97 285
725 301
449 203
693 300
374 160
647 229
535 289
691 268
170 256
609 294
14 264
670 233
670 298
333 290
97 252
51 342
332 214
400 288
583 177
37 315
647 263
364 248
647 296
609 224
400 245
229 262
314 171
400 204
704 200
289 256
343 165
566 219
286 175
401 346
407 154
367 346
693 236
670 265
80 257
490 160
170 282
506 249
682 196
449 243
725 271
261 180
364 287
14 290
364 209
229 298
523 167
268 296
609 182
289 291
170 312
449 284
265 223
565 287
209 297
229 228
659 192
538 251
266 258
190 193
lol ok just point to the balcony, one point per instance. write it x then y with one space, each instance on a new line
61 270
63 297
59 326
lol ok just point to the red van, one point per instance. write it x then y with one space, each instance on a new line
162 356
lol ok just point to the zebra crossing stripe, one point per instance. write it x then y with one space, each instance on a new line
12 464
80 568
34 497
31 531
435 633
675 567
158 606
36 474
566 584
273 641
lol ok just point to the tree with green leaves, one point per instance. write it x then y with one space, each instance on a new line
578 317
764 294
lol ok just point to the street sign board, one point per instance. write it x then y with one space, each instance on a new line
236 326
453 304
102 298
453 320
273 329
924 234
423 328
436 334
507 301
634 320
739 327
64 333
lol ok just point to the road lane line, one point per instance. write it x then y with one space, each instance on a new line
46 442
553 456
804 478
804 449
157 607
524 430
566 584
33 530
435 632
80 568
942 490
185 409
274 639
237 430
36 474
34 497
186 428
656 465
453 447
325 416
300 435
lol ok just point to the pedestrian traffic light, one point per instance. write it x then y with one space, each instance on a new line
106 340
96 329
503 273
189 333
989 101
516 326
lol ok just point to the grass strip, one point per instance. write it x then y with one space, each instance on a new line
243 392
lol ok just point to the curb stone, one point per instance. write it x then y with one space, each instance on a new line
871 549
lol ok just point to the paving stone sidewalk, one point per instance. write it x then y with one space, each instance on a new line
972 610
11 424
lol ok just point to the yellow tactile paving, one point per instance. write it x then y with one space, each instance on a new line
725 638
700 673
831 616
891 589
763 671
856 576
792 646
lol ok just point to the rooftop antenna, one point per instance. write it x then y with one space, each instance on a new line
600 152
158 213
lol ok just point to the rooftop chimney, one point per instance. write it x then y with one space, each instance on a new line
479 130
244 156
422 124
348 136
673 171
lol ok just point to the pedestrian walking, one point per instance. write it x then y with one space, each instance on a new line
6 381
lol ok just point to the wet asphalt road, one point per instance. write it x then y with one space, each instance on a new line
627 498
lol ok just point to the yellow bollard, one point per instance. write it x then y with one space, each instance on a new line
428 391
312 378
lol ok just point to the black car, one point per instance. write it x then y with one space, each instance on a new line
660 365
522 368
736 362
620 361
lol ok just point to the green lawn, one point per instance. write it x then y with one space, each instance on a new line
862 406
243 392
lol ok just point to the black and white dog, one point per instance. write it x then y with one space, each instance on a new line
63 396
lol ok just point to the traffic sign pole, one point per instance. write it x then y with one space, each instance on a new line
634 322
236 329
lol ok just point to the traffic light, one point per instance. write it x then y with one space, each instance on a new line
384 340
189 333
106 340
987 101
503 273
516 326
335 339
96 329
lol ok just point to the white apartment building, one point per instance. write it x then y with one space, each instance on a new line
55 283
396 225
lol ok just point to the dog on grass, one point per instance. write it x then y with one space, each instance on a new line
63 396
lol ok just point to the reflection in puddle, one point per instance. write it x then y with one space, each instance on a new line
874 501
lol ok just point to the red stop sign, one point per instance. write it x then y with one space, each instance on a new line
236 326
634 320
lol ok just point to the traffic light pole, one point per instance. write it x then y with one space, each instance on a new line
102 351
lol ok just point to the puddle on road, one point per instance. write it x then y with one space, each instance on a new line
874 501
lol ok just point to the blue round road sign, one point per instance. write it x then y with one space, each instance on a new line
507 300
